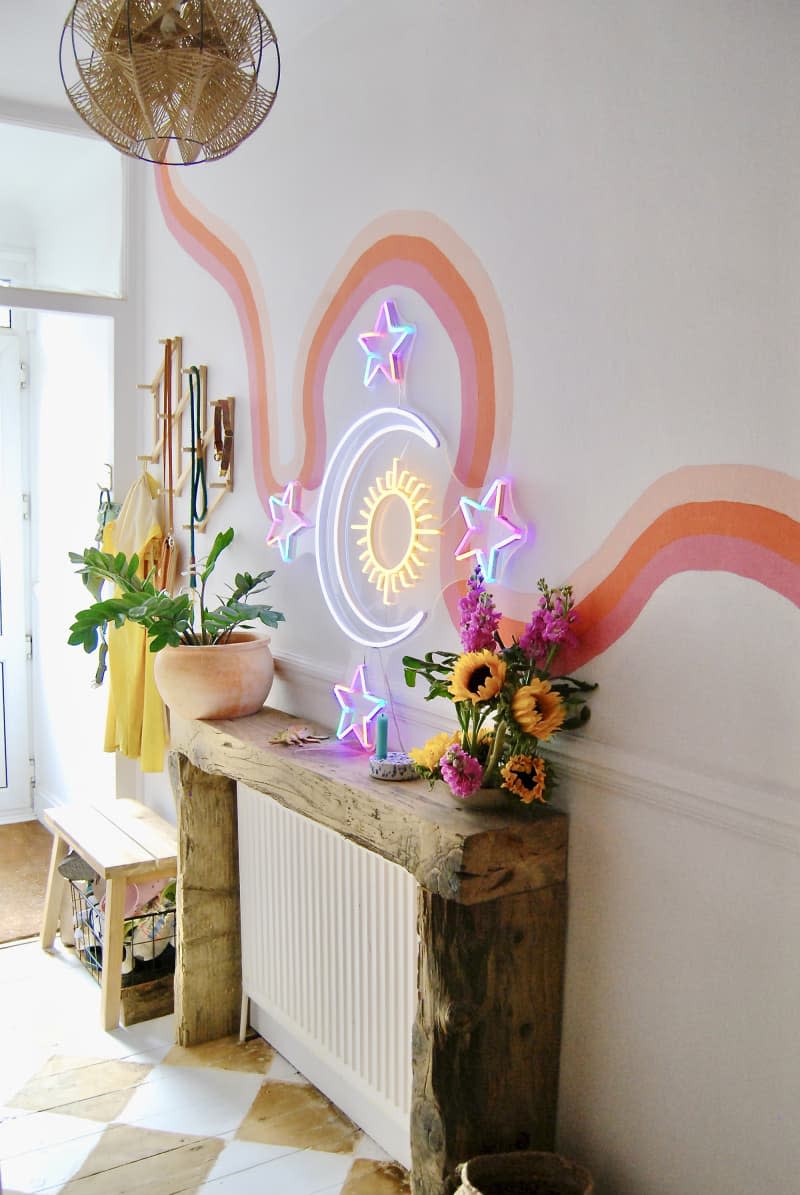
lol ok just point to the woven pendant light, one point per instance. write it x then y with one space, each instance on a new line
168 81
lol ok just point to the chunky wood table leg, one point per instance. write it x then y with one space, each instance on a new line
208 971
487 1034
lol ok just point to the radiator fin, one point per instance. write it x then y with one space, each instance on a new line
329 950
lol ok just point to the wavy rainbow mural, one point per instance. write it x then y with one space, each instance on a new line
735 518
709 518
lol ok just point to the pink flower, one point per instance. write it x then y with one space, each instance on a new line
550 625
532 640
558 628
461 771
479 619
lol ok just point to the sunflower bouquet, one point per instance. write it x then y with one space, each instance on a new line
506 699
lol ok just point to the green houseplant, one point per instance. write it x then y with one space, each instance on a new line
201 648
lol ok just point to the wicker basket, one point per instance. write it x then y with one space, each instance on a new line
523 1173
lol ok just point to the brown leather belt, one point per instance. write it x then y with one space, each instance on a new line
223 434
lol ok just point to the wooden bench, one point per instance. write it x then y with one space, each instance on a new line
123 841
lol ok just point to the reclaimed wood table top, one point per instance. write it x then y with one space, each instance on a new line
462 855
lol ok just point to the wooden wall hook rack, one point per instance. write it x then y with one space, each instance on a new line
217 432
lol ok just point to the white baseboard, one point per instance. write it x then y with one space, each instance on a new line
45 800
19 813
766 813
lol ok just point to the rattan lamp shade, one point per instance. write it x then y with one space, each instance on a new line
167 81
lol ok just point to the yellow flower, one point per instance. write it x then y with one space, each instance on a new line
524 775
428 756
538 710
477 676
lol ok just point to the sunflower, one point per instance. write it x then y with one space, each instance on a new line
428 757
477 676
524 775
537 709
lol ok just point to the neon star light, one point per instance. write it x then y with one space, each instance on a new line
390 576
288 520
359 708
387 346
489 530
333 529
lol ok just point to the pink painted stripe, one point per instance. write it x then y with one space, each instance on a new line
211 252
414 276
214 252
691 483
425 226
702 553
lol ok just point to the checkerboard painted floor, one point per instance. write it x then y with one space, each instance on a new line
85 1112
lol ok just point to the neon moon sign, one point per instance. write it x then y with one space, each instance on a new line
332 526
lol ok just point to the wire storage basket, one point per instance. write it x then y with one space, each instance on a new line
148 951
526 1172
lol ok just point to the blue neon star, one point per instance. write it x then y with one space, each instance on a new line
288 520
359 707
387 346
489 532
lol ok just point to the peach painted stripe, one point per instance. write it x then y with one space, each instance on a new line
706 553
737 537
692 483
405 259
415 262
744 523
749 484
427 227
217 257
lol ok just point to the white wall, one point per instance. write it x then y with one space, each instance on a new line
679 1067
626 174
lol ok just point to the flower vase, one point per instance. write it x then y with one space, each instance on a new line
480 799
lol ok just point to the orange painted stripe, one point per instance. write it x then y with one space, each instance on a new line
241 292
682 531
769 529
475 450
755 524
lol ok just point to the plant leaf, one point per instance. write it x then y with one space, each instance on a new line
223 540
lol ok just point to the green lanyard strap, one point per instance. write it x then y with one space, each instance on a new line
199 490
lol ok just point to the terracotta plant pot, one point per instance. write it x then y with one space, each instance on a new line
227 680
524 1173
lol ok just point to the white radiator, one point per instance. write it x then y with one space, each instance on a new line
329 951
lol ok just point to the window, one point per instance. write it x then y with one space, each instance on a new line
71 232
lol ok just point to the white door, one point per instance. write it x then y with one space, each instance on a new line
16 789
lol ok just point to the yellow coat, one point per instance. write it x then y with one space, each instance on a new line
136 722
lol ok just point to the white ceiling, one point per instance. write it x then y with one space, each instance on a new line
30 31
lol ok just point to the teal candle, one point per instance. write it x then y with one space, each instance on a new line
381 736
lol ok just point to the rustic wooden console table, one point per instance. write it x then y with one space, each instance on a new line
491 920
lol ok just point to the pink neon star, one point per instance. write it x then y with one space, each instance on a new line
387 346
489 532
288 519
359 707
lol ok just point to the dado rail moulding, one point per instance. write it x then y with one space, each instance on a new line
491 912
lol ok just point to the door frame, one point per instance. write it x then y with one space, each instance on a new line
127 314
16 708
